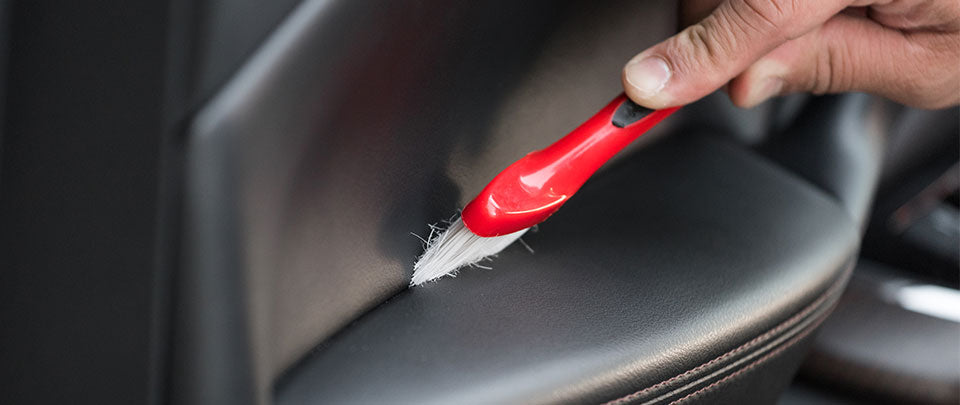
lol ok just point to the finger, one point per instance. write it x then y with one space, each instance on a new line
854 54
941 16
692 11
704 56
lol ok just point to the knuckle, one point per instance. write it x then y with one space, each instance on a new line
766 17
713 39
757 13
737 27
692 49
834 71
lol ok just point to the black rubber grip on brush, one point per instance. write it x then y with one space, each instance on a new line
628 113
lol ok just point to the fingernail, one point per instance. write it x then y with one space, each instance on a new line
770 87
648 75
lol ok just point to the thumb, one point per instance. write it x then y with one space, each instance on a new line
706 55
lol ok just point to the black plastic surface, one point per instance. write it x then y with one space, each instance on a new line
78 200
876 348
628 113
208 41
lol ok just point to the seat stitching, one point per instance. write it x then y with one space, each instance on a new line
755 363
753 342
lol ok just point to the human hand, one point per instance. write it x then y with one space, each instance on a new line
905 50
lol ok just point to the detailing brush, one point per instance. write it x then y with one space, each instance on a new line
533 188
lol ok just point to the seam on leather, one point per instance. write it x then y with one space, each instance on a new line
748 358
790 343
748 345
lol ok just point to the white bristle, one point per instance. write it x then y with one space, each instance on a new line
454 248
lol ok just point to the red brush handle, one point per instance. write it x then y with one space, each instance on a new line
534 187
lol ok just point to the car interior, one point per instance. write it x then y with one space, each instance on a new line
221 202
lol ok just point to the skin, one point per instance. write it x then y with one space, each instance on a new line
905 50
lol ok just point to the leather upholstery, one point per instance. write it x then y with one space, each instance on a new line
694 271
690 266
837 144
353 125
307 172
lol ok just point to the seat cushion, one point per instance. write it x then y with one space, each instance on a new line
692 266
